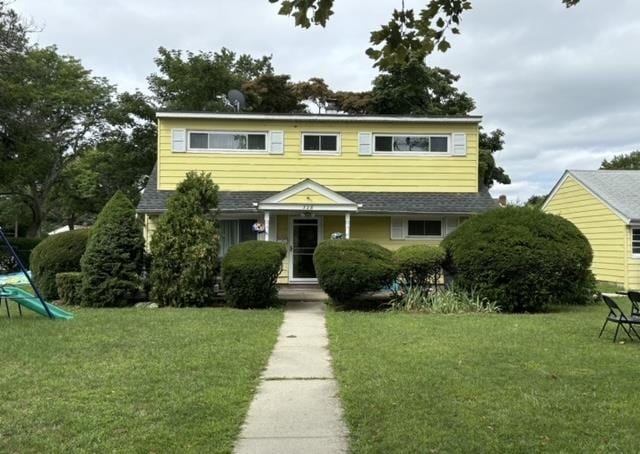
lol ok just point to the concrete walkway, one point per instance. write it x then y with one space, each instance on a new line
296 408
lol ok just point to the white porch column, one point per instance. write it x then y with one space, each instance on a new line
347 225
266 226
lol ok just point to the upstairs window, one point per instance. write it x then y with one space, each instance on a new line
411 143
424 227
227 141
635 241
320 143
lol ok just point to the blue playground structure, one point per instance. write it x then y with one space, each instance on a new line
11 291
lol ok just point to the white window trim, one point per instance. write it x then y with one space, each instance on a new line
635 256
405 228
449 151
227 150
320 152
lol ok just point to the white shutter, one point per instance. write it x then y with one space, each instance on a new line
364 144
277 142
179 140
451 224
397 228
460 144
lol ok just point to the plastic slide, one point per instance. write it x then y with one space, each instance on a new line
26 299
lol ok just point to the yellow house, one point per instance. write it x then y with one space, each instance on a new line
301 178
605 206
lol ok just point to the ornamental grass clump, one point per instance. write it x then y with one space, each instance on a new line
112 263
184 247
450 300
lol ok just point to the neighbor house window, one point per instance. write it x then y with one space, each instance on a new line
235 231
228 141
320 143
635 241
411 143
424 227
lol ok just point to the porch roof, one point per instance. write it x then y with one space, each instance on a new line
154 201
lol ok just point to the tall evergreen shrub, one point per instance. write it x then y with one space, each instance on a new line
112 264
184 247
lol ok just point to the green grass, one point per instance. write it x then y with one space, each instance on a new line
127 380
486 383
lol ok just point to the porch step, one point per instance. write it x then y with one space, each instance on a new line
301 292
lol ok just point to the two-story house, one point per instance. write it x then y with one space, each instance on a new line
394 180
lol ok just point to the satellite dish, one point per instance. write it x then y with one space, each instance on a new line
236 98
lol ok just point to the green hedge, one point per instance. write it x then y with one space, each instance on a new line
522 259
57 254
419 265
23 246
112 264
348 268
69 287
250 271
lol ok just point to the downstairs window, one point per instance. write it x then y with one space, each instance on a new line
235 231
635 241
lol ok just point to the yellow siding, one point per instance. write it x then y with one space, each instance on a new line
150 223
378 230
308 196
345 172
603 228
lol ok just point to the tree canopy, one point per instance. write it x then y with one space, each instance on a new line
408 33
628 161
200 81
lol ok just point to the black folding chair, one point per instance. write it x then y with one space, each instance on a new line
617 316
634 296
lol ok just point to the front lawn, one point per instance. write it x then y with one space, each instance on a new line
486 383
130 380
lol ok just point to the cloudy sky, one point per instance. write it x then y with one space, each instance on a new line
563 84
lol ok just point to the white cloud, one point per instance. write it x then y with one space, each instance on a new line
562 83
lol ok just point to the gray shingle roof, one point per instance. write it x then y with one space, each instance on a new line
155 201
620 189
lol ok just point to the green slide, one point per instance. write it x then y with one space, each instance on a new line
31 302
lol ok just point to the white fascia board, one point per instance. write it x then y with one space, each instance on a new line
321 118
299 207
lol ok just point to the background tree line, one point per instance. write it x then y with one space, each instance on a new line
69 140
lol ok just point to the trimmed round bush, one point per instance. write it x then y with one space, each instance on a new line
57 254
112 264
522 259
419 265
348 268
69 287
250 271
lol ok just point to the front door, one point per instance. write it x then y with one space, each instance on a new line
305 235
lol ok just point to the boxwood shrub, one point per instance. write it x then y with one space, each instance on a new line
69 287
250 271
419 265
57 254
523 259
348 268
